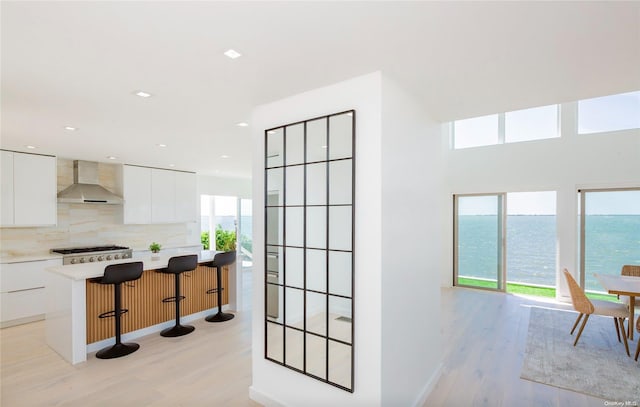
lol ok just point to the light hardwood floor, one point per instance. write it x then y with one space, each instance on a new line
209 367
484 336
483 345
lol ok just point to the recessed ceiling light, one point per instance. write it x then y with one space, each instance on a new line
323 146
224 156
142 94
162 145
232 53
70 128
30 147
350 114
112 157
172 165
242 124
271 132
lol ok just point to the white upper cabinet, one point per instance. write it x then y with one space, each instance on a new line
186 197
163 197
28 189
154 195
137 194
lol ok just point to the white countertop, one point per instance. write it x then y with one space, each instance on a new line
92 270
30 257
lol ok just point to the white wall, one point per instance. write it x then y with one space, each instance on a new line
564 165
209 185
275 383
412 223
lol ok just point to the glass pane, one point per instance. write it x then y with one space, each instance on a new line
274 302
340 136
316 356
317 140
609 113
340 364
246 232
294 348
294 303
295 226
274 226
479 238
317 270
316 313
295 185
478 131
340 318
274 264
612 233
531 239
340 182
295 144
295 267
274 187
317 184
275 341
340 273
531 124
317 227
274 148
340 227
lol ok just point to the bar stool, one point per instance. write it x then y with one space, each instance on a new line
117 274
178 265
220 260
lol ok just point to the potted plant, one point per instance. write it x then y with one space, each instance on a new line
225 239
155 249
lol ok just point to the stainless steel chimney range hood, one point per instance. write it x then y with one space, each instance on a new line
85 188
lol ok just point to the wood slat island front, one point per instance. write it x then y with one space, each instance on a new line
143 298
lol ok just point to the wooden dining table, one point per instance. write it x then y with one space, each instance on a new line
622 285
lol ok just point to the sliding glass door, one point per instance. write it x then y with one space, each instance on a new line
479 241
610 233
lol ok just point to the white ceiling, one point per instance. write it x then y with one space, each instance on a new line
78 64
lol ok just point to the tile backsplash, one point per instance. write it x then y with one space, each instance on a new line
91 224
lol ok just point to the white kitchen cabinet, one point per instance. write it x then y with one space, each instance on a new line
186 197
153 195
137 194
163 197
29 182
6 193
22 288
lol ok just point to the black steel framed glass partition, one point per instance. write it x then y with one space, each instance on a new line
309 247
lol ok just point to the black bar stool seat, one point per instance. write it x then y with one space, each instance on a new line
117 274
220 260
178 265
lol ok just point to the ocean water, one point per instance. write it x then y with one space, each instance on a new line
611 241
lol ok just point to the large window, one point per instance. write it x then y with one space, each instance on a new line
527 245
479 131
531 124
610 226
478 241
609 113
520 125
531 238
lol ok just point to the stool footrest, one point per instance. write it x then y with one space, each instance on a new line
112 313
173 299
214 290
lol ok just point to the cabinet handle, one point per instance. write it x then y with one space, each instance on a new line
25 289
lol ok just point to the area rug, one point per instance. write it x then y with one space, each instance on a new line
597 366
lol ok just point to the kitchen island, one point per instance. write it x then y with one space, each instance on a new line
73 302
